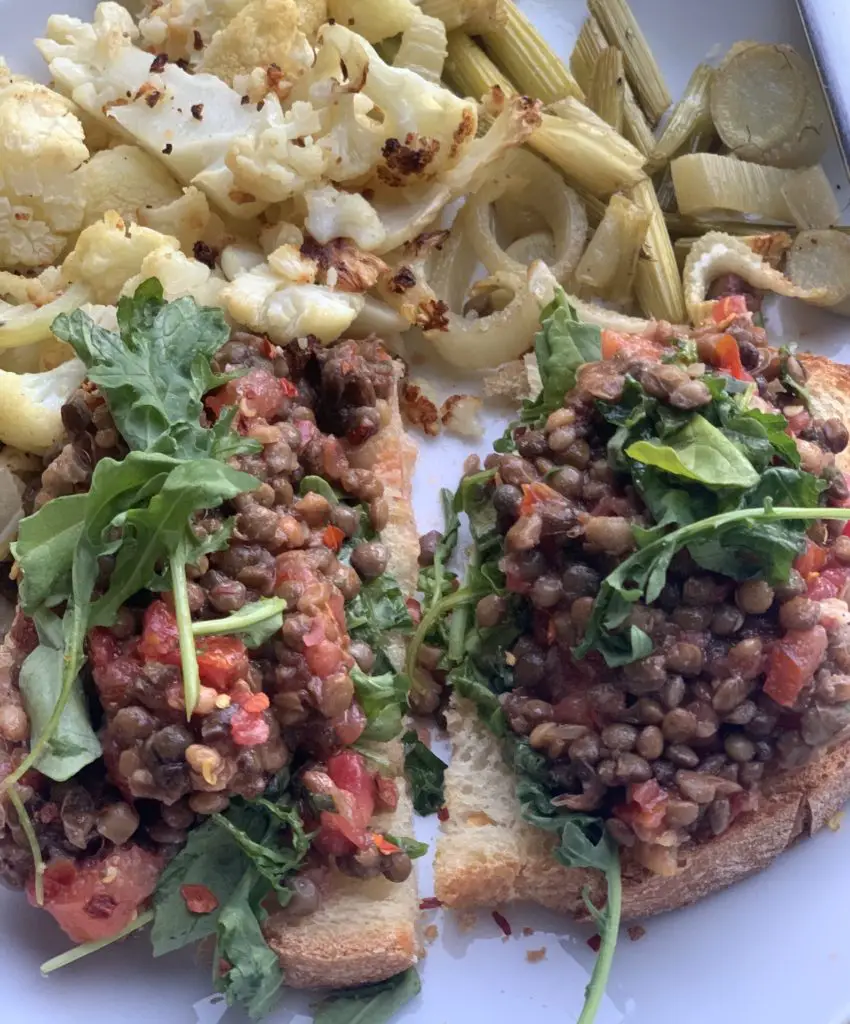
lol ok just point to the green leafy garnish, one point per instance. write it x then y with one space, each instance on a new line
255 623
372 1004
412 847
425 773
383 699
318 485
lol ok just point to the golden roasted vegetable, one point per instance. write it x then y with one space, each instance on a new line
526 58
708 184
607 268
607 88
657 283
622 30
690 122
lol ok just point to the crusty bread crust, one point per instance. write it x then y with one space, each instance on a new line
366 931
488 855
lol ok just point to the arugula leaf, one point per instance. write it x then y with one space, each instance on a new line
272 863
372 1004
255 623
254 978
412 847
425 773
155 372
468 681
761 435
209 859
700 452
379 608
73 743
383 699
318 485
45 548
791 385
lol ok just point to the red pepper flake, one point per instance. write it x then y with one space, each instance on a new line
502 922
430 903
152 98
332 537
158 64
635 932
287 387
443 814
198 40
199 900
595 941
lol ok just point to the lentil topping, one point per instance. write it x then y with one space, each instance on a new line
272 706
654 682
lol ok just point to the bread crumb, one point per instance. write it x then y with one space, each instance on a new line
534 956
527 931
431 932
834 823
466 920
635 932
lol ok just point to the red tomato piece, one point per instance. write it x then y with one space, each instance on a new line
248 730
349 772
386 792
324 658
383 844
221 660
611 344
95 898
258 393
729 355
792 663
159 634
415 609
103 647
350 725
198 899
812 560
288 388
645 809
728 306
535 494
827 584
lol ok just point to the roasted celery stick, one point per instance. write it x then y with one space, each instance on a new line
691 117
606 96
658 285
468 69
622 30
707 183
423 47
588 150
473 15
680 226
607 268
525 57
811 201
590 45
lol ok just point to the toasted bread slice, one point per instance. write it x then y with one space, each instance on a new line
488 854
366 931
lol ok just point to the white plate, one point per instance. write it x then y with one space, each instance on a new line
773 948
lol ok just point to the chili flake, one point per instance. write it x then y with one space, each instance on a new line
198 899
502 922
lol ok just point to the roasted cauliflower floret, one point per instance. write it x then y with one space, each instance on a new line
41 146
125 179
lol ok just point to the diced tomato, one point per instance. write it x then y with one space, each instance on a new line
812 560
611 344
198 899
415 609
332 537
387 792
350 725
799 422
256 703
287 387
728 306
792 663
103 647
535 494
159 634
629 345
221 660
355 803
729 355
95 898
258 393
337 837
384 845
247 729
348 771
827 584
645 808
324 658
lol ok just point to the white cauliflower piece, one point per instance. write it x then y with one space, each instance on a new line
31 403
189 219
125 179
266 300
239 259
109 253
264 34
179 275
188 122
279 162
373 19
170 27
334 214
41 145
352 140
